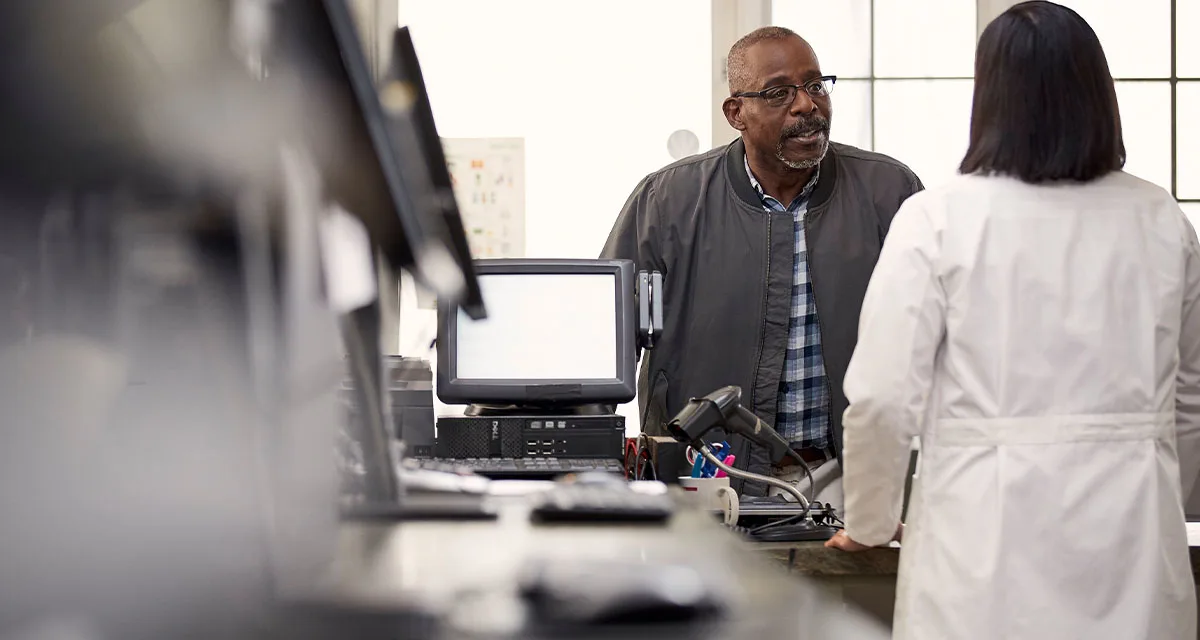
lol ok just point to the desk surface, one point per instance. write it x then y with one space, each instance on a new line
814 560
468 572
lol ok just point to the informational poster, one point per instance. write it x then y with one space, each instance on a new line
489 184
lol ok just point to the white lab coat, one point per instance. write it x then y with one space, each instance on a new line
1044 343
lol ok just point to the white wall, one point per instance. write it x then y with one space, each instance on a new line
594 88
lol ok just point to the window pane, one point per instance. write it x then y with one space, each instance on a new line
1187 47
852 113
1146 123
1192 209
924 124
840 32
1188 140
1136 35
595 117
924 38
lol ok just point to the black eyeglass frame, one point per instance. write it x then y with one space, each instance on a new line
825 83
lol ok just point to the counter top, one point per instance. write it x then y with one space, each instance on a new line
814 560
468 572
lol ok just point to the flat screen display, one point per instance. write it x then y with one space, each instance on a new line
553 327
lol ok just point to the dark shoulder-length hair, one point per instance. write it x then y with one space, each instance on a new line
1045 105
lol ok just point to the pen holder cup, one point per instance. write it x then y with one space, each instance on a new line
715 494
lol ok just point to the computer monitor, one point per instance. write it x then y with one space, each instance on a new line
406 70
558 333
141 94
382 165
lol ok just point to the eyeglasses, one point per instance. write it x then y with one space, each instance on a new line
784 94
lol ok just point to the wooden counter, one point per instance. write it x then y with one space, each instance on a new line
866 580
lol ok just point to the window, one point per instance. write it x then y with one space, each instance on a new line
947 49
1192 209
922 86
910 98
1187 47
1187 138
1137 41
852 113
924 124
1146 127
1159 96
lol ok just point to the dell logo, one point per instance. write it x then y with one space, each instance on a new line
495 429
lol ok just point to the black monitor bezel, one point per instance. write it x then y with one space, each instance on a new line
406 67
531 392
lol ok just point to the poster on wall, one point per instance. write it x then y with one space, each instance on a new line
488 175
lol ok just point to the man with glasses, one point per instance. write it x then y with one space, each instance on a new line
766 246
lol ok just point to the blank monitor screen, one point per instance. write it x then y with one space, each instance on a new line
542 327
557 332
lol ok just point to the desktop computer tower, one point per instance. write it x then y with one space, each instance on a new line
530 436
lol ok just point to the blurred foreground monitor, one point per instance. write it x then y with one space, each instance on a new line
193 197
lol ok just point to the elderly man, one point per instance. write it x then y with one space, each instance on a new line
766 246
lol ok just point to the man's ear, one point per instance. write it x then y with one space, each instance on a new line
732 107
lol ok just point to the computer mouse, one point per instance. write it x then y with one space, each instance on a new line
584 594
652 606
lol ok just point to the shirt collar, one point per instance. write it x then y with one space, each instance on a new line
770 200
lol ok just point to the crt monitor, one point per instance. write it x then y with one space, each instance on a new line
558 333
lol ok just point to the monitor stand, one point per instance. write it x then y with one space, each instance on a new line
487 410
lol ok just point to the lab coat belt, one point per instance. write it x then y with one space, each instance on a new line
968 432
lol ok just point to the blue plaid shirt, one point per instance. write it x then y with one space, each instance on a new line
803 412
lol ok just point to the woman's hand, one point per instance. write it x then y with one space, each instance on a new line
844 542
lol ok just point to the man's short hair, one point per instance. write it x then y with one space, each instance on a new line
735 64
1045 108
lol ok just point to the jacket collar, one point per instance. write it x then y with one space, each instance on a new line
735 163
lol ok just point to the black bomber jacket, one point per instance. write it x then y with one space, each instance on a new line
727 266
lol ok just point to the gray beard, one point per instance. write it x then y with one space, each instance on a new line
803 164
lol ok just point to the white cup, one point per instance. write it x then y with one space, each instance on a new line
715 494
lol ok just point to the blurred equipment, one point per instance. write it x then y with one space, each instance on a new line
404 98
601 498
521 468
410 386
191 189
574 596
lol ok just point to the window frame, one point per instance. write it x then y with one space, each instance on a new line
1173 80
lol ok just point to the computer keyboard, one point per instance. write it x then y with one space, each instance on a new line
523 468
601 502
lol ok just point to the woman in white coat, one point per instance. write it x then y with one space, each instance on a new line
1037 323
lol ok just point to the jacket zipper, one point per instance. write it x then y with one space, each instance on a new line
821 329
762 338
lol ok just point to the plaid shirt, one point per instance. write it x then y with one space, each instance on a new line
803 412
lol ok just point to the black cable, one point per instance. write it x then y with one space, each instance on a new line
780 523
